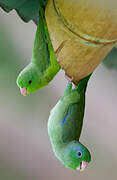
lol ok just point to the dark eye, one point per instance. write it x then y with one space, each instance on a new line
79 154
29 82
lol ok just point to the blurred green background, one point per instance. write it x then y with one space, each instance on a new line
25 150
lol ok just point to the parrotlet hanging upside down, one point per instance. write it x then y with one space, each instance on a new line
43 66
65 125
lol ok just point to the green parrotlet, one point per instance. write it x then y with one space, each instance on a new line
65 125
43 66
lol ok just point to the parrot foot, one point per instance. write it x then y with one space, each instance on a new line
70 79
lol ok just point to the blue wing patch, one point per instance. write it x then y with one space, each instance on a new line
69 112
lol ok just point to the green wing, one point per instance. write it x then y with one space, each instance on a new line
72 123
26 9
41 55
111 59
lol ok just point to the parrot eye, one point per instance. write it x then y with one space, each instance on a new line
30 81
79 153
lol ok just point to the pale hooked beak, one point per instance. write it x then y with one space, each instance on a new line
23 91
82 166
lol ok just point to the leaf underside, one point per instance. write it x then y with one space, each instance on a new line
26 9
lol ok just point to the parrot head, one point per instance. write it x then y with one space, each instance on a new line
29 80
76 156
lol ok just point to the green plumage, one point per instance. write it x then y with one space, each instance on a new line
43 53
43 66
73 123
65 125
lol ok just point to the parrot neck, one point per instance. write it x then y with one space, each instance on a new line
59 149
63 150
